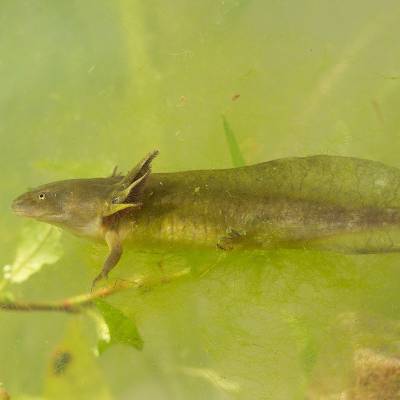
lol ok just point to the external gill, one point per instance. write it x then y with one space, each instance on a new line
121 196
128 190
140 170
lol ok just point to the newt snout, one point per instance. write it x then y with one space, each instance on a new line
23 206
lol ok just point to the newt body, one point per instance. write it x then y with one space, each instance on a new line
325 202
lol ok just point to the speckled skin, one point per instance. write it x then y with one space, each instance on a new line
295 202
324 202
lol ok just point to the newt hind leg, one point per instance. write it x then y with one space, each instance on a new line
231 240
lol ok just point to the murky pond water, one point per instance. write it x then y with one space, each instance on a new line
89 85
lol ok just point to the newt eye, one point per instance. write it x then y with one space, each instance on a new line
42 196
115 200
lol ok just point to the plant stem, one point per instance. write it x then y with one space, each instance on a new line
78 303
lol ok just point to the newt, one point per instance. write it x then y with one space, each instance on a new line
322 202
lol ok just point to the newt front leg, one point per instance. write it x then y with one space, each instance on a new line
114 243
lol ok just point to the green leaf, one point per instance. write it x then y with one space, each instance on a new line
73 371
40 245
121 329
234 149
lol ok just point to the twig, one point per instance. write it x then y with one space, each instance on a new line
78 303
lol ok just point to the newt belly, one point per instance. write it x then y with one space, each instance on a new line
324 202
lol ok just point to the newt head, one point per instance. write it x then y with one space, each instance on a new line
38 203
81 205
74 204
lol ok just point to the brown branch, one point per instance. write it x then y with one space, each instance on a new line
78 303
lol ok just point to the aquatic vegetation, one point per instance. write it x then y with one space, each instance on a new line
40 245
88 85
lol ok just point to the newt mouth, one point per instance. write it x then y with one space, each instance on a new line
19 208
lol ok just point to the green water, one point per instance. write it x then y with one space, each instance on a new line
86 85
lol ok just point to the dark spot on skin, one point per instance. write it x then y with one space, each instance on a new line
61 360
